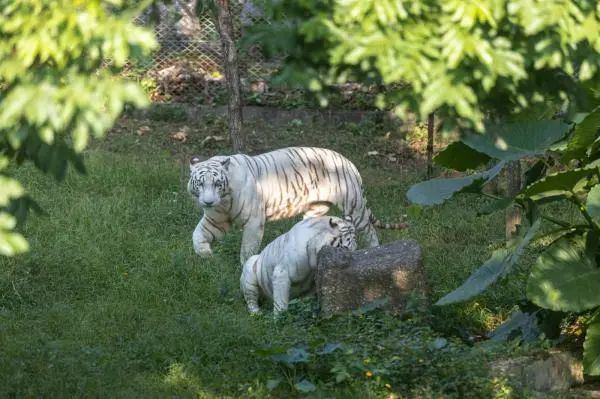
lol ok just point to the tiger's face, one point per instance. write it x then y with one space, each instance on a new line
208 180
344 233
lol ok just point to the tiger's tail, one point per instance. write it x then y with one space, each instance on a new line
388 226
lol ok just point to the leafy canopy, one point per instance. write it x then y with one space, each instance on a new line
55 92
458 58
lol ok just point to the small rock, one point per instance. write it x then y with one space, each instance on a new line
373 153
554 371
143 130
181 135
348 280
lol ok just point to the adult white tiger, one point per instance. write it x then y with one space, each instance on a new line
286 268
250 190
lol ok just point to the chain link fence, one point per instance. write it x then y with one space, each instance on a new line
188 67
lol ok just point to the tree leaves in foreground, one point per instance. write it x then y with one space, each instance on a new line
499 265
461 60
566 276
56 91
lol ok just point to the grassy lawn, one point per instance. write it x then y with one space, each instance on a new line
111 301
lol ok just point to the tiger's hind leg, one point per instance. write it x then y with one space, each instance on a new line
363 222
281 289
316 209
249 284
369 235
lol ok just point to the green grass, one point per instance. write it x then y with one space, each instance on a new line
111 301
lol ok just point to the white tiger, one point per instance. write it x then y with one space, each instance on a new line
249 190
286 268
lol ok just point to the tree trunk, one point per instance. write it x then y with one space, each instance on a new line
430 136
232 75
513 213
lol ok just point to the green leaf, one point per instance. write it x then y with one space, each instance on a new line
10 243
495 206
9 189
528 323
535 172
565 277
305 386
292 356
593 203
371 306
519 325
329 348
512 141
561 183
459 156
591 349
499 264
272 384
584 134
436 191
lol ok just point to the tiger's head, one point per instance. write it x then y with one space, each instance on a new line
208 180
344 233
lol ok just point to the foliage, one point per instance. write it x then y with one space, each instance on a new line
389 354
477 65
566 276
459 59
54 91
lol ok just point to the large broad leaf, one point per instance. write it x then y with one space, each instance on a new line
566 277
305 386
593 203
591 349
528 323
584 134
436 191
512 141
459 156
499 264
557 184
535 172
292 356
520 325
496 205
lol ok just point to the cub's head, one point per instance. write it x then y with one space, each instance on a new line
208 180
344 233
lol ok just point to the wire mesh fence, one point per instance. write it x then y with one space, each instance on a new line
188 67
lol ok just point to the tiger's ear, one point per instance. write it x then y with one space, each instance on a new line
196 159
226 163
332 223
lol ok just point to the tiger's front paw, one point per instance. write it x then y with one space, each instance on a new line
254 310
203 249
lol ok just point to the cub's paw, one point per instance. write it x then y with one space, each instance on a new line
254 310
203 249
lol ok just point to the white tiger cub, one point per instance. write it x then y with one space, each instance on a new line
250 190
286 268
